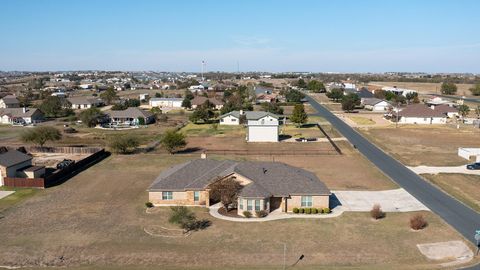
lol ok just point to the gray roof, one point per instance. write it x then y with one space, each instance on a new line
250 115
371 101
85 100
10 100
20 112
268 178
130 112
13 157
166 99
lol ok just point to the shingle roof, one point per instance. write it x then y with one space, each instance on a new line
268 178
420 110
84 100
371 101
200 100
10 100
166 99
19 112
13 157
130 112
250 115
445 108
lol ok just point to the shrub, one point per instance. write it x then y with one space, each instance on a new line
326 210
181 215
314 211
301 210
418 222
247 214
40 135
320 210
195 225
295 210
376 212
123 144
149 204
261 214
308 211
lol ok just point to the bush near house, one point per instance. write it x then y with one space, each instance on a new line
314 210
308 211
247 214
301 210
418 222
187 220
149 204
261 214
376 212
296 210
326 210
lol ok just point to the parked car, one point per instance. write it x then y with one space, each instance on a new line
474 166
65 163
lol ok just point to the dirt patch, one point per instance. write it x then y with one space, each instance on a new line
447 251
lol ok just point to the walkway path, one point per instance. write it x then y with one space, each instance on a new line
4 194
450 169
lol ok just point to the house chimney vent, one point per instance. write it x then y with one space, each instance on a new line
203 155
264 171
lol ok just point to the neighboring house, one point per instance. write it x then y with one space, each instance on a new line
14 163
195 88
131 117
398 91
21 116
144 97
449 111
266 98
375 104
166 102
261 126
420 114
200 100
9 101
85 102
267 186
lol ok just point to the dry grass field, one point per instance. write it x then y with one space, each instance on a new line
423 88
97 220
424 145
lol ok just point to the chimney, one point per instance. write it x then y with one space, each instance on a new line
24 110
203 155
241 112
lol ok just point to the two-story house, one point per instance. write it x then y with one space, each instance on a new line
261 126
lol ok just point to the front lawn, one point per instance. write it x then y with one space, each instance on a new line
362 120
214 129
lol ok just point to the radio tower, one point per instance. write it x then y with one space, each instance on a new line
203 68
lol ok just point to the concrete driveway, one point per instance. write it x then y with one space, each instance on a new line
396 200
436 170
4 194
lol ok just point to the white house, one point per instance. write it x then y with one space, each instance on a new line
143 97
85 102
375 104
420 114
398 91
21 116
261 126
9 101
166 102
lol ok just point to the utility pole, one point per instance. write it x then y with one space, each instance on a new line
284 256
396 122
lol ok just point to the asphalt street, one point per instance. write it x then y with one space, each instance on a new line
459 216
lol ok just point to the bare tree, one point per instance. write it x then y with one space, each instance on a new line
226 191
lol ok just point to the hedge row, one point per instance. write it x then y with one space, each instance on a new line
325 210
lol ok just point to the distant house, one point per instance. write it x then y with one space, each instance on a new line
131 116
9 101
143 97
200 100
80 103
166 102
266 186
375 104
14 163
266 98
420 114
398 91
261 126
21 116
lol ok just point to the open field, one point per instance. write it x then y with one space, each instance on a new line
424 145
463 187
19 195
423 88
213 130
360 120
96 220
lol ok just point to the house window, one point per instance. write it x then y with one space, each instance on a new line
240 205
167 195
196 196
307 201
257 205
262 121
221 120
249 205
234 120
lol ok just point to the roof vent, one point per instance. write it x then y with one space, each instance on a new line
203 155
264 171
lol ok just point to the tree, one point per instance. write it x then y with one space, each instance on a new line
389 95
91 117
448 88
40 135
226 191
272 107
350 101
316 86
335 94
123 144
299 116
475 90
173 140
411 97
52 106
201 113
301 84
477 111
109 95
294 96
463 110
380 94
186 103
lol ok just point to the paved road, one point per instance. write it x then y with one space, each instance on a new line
462 218
475 100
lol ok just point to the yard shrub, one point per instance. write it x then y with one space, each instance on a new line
301 210
149 204
326 210
320 210
308 211
314 211
261 214
376 212
195 225
247 214
295 210
187 220
418 222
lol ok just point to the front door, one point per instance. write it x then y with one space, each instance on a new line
275 203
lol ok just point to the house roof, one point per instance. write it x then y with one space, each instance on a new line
84 100
372 101
420 110
268 178
364 93
19 112
10 100
250 115
445 108
130 112
13 157
200 100
166 99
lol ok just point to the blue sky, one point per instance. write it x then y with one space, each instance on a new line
325 36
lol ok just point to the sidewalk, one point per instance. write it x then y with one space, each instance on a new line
446 169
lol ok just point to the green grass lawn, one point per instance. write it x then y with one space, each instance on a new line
19 195
361 120
308 130
192 129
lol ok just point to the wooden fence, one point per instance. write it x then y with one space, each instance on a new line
64 150
262 152
24 182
